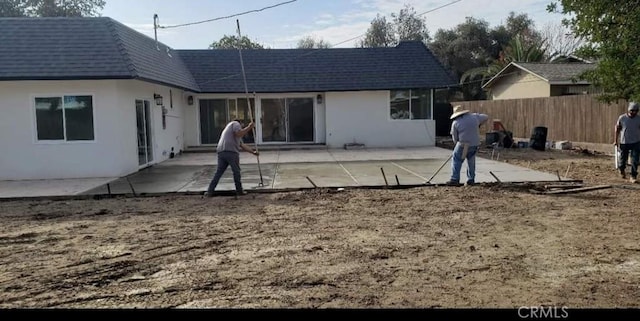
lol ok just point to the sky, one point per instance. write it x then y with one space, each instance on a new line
342 23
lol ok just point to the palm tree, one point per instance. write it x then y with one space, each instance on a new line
518 50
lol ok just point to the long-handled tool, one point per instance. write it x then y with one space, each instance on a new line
246 90
439 169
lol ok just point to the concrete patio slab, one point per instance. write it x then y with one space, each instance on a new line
281 169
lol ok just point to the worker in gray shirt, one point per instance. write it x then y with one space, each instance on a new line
466 137
627 140
228 151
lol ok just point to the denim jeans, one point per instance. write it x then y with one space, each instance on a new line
625 150
456 163
226 159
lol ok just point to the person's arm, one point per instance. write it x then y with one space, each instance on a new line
482 118
616 138
245 130
454 132
248 149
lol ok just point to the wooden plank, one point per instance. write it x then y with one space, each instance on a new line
579 190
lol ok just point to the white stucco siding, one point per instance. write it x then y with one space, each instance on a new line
364 117
164 139
112 153
26 158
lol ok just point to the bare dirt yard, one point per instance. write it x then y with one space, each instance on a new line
478 246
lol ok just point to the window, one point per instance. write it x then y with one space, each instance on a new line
410 104
66 118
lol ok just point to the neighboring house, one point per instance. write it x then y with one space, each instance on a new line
530 80
90 97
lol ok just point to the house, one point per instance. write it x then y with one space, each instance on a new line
530 80
90 97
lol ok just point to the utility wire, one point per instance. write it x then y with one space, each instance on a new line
227 17
312 51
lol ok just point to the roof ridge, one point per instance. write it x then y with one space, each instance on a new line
121 47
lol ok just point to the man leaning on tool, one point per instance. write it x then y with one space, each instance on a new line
466 137
627 140
228 151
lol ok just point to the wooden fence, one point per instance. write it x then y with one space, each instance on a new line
579 118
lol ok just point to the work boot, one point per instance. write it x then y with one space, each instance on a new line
452 183
622 174
633 180
470 182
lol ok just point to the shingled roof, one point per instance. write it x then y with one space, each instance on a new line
85 48
102 48
553 73
408 65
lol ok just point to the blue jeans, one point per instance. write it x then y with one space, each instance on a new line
456 163
226 159
625 150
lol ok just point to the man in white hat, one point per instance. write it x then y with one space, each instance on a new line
466 137
627 140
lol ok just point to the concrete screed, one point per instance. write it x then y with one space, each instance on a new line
282 170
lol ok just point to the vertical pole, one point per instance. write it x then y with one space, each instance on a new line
246 90
155 29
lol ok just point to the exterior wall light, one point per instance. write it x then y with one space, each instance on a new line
319 99
158 99
190 100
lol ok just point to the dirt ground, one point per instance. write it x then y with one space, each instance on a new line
478 246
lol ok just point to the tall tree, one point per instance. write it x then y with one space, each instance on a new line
464 47
231 42
560 41
51 8
406 25
379 34
310 42
613 34
13 8
409 26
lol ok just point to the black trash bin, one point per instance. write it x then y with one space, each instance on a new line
538 138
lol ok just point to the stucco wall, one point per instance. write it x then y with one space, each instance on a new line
113 152
363 117
520 85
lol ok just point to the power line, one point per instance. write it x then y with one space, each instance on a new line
313 51
227 17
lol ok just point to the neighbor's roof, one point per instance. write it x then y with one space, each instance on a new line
102 48
408 65
85 48
553 73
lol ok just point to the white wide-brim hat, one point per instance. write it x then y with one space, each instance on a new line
458 111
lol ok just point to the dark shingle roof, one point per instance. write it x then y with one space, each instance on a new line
409 65
556 72
102 48
84 48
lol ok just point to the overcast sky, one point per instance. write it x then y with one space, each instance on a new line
335 21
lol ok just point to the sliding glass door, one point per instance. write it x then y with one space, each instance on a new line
287 120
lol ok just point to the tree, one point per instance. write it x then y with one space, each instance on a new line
464 47
409 26
12 8
310 42
379 34
50 8
406 25
231 42
612 33
559 41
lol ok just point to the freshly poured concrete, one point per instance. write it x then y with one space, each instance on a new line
284 170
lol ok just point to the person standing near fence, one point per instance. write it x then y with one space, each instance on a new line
466 137
627 140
